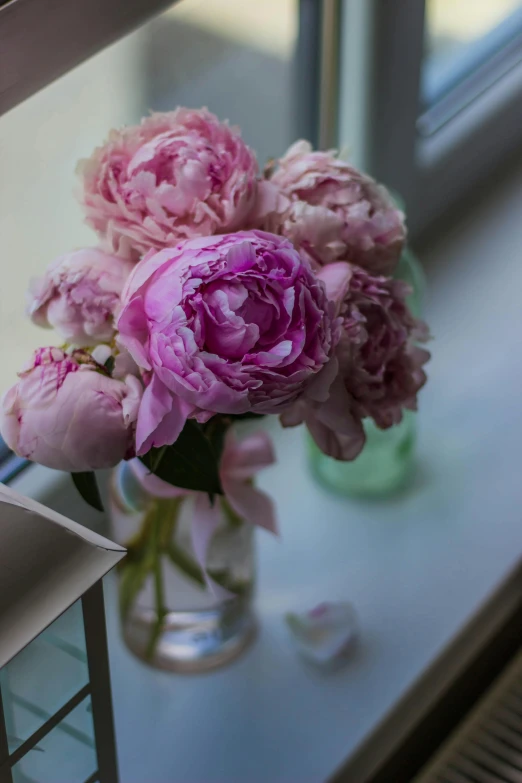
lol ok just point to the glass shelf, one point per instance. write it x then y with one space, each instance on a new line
44 676
66 755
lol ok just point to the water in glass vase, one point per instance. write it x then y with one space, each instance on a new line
169 617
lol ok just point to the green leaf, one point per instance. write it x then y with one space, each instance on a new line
190 568
215 430
247 415
132 580
190 463
109 364
86 485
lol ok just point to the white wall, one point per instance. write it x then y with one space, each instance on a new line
40 142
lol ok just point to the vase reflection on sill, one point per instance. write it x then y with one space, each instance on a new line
387 461
170 619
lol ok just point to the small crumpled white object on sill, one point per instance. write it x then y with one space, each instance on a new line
325 634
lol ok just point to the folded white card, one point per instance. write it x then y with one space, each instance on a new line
47 562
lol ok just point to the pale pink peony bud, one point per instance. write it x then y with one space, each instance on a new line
79 296
67 414
331 211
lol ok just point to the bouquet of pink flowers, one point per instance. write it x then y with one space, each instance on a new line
215 293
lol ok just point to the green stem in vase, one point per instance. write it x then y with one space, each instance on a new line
138 564
191 569
188 565
170 513
159 592
179 558
156 539
233 519
184 562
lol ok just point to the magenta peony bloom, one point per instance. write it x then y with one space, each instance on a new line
380 365
178 175
65 413
225 324
79 296
331 211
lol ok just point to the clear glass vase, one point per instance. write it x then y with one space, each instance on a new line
387 460
169 617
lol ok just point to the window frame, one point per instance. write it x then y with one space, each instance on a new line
434 173
37 27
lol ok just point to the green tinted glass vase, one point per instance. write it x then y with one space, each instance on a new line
387 460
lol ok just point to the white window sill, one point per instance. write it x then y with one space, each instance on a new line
56 490
418 568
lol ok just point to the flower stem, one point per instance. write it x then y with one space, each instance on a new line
159 592
182 561
191 569
233 519
155 540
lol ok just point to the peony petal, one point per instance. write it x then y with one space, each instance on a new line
205 521
250 503
130 404
331 443
326 633
294 414
132 326
241 460
269 200
161 417
320 386
336 278
335 412
154 485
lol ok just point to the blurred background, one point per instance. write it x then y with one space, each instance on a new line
279 68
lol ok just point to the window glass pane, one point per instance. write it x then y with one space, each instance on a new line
44 676
66 755
462 35
233 56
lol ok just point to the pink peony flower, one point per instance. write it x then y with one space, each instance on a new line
178 175
65 413
380 365
331 211
225 324
79 296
